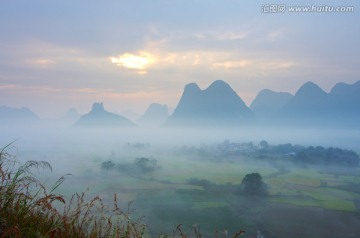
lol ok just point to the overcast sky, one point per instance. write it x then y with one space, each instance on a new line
60 54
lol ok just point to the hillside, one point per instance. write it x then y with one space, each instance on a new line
268 103
99 117
216 106
155 115
22 116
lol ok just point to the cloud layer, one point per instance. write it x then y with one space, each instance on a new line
130 54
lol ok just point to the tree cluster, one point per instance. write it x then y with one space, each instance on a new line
329 156
252 184
309 155
146 164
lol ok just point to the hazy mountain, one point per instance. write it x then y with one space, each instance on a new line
345 99
99 117
312 106
155 115
71 115
268 102
341 89
19 116
218 105
308 106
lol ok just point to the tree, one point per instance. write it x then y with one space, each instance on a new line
252 184
264 144
146 164
108 165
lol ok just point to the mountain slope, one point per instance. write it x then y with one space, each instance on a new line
309 101
9 115
345 89
155 115
345 99
99 117
268 102
312 106
218 105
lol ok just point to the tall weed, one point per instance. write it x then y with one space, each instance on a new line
28 209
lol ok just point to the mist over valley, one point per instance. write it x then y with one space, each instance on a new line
190 168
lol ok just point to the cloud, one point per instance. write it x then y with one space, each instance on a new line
42 62
157 59
7 87
36 54
277 65
232 64
104 92
221 35
162 59
140 61
232 36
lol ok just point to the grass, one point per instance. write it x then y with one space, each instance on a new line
296 201
178 169
340 205
29 209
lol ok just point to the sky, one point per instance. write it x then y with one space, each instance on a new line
56 55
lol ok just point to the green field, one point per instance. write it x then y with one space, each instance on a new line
165 198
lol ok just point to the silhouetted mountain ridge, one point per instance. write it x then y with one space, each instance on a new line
345 89
312 106
309 99
9 115
155 115
99 117
218 105
267 103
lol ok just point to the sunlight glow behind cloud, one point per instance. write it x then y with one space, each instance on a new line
140 61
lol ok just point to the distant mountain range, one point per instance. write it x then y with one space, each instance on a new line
98 117
267 103
155 115
71 116
19 116
311 106
216 106
220 106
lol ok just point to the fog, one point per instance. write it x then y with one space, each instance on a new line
50 135
166 198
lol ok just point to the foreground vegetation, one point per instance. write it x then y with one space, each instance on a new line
29 209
